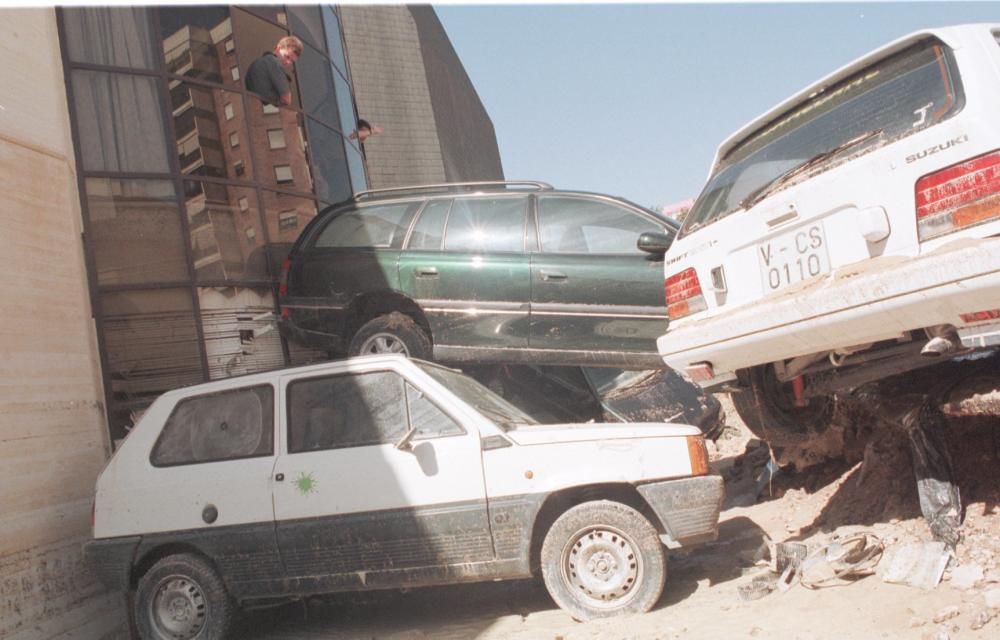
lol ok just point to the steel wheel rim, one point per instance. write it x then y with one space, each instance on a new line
602 566
178 608
384 343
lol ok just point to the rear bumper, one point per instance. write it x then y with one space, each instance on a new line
111 560
878 299
688 508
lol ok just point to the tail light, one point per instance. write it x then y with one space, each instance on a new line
286 267
960 196
698 454
684 295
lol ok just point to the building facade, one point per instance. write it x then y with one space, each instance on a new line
149 201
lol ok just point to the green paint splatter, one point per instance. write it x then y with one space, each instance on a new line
305 483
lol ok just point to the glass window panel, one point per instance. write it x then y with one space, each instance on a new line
115 36
331 174
307 24
317 86
578 225
486 225
356 163
135 231
346 411
345 105
229 425
193 40
276 138
282 236
429 230
236 323
151 343
120 122
380 226
226 238
274 13
428 420
334 42
283 174
254 38
292 155
203 127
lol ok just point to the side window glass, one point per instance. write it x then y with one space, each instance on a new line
486 225
220 426
426 418
367 227
429 230
579 225
345 411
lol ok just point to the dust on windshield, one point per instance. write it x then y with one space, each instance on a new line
496 409
895 97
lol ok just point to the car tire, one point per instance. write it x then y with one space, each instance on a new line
182 597
602 559
391 333
768 410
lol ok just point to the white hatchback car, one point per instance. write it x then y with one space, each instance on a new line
848 234
382 472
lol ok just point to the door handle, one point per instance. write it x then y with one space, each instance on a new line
279 477
428 272
552 276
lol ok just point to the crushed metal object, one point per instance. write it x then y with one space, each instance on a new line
842 562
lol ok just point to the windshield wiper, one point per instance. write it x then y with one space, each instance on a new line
771 185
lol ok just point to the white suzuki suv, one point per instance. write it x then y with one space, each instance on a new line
847 234
383 473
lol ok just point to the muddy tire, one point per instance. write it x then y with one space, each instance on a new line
768 409
391 333
602 559
181 597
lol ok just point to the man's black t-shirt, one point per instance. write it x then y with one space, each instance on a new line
267 78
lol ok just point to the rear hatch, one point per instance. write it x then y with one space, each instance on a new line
850 170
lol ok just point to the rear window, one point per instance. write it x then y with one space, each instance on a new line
893 98
367 227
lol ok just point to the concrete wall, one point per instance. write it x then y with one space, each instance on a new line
53 438
408 80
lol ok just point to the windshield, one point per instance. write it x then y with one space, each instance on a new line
893 98
498 410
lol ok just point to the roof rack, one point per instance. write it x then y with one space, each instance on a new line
455 187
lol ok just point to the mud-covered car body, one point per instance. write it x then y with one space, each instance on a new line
848 234
369 473
485 272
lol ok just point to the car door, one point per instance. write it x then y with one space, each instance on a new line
465 266
354 511
210 479
592 289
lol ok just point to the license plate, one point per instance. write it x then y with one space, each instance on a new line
793 257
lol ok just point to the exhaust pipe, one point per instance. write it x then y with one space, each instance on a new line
944 341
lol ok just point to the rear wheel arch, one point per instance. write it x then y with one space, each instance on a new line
150 557
372 305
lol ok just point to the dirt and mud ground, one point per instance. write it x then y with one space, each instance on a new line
701 599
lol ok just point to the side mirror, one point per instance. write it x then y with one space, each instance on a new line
655 243
404 442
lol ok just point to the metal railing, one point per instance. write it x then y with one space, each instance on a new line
455 187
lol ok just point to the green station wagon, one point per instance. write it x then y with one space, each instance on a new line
491 272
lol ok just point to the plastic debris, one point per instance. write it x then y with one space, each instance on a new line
842 562
757 588
919 564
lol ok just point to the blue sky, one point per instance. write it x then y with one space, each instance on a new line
633 99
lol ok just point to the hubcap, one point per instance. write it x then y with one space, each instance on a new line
384 343
602 565
178 608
